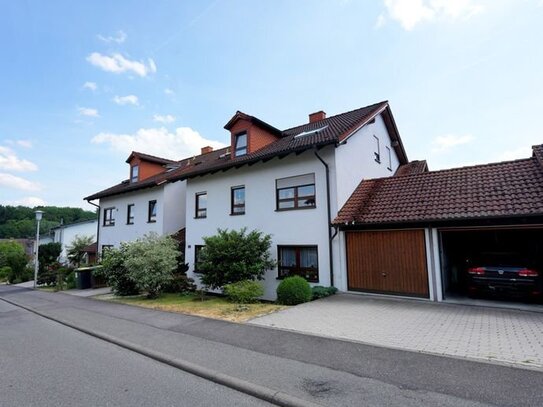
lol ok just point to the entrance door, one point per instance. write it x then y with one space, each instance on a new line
392 262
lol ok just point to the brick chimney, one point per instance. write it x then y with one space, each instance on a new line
315 117
207 149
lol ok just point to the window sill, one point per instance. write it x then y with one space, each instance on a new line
237 214
106 226
131 223
378 161
296 209
151 221
390 169
200 217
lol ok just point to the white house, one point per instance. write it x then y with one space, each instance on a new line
286 183
65 234
146 202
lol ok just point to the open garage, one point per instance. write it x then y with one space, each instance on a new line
500 264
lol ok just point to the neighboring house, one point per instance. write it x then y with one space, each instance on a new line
65 234
415 234
146 202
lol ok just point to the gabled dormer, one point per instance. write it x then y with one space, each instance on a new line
143 166
249 134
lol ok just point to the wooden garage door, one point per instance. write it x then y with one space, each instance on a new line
387 262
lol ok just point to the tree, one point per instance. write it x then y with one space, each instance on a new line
115 272
47 263
151 262
12 255
75 250
232 256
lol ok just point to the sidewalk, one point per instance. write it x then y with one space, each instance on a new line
490 334
323 371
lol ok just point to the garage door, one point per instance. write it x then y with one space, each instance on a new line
392 262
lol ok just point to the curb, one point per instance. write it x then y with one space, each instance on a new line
263 393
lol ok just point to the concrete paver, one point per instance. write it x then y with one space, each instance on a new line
491 334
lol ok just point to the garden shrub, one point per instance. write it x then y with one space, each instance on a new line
293 290
115 272
232 256
151 262
244 292
320 292
5 271
12 255
70 280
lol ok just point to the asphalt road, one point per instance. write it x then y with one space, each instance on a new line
320 370
43 363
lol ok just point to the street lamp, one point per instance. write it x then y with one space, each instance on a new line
38 219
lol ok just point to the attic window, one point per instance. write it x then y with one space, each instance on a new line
240 146
134 173
310 132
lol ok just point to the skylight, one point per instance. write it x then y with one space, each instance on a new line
310 132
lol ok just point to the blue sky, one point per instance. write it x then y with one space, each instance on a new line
84 83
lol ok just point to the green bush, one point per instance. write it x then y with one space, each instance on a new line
232 256
320 292
293 290
244 292
4 273
70 280
12 255
115 272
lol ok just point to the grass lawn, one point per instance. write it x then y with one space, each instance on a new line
211 307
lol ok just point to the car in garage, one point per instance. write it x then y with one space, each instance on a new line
504 274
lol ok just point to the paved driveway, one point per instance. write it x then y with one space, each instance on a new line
499 335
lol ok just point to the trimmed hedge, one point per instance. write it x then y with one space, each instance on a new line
244 292
293 290
320 292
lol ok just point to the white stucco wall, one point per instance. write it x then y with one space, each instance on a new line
121 232
65 235
355 161
174 207
295 227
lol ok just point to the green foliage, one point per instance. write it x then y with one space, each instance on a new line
148 264
320 292
12 255
180 283
293 290
75 250
115 272
19 221
232 256
47 263
244 292
5 272
151 262
70 279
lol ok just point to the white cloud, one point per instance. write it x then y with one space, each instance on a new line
168 118
521 152
12 181
24 143
448 141
168 91
183 142
119 38
90 85
86 111
9 161
409 13
31 201
126 100
117 63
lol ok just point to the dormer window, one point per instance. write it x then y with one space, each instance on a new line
134 173
240 146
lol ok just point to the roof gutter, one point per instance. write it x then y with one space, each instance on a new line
329 221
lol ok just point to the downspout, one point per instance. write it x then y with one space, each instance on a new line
330 236
97 229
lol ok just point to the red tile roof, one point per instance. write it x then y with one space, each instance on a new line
331 130
504 189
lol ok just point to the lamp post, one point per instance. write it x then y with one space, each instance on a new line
38 219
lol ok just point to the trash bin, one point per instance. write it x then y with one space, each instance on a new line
83 278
